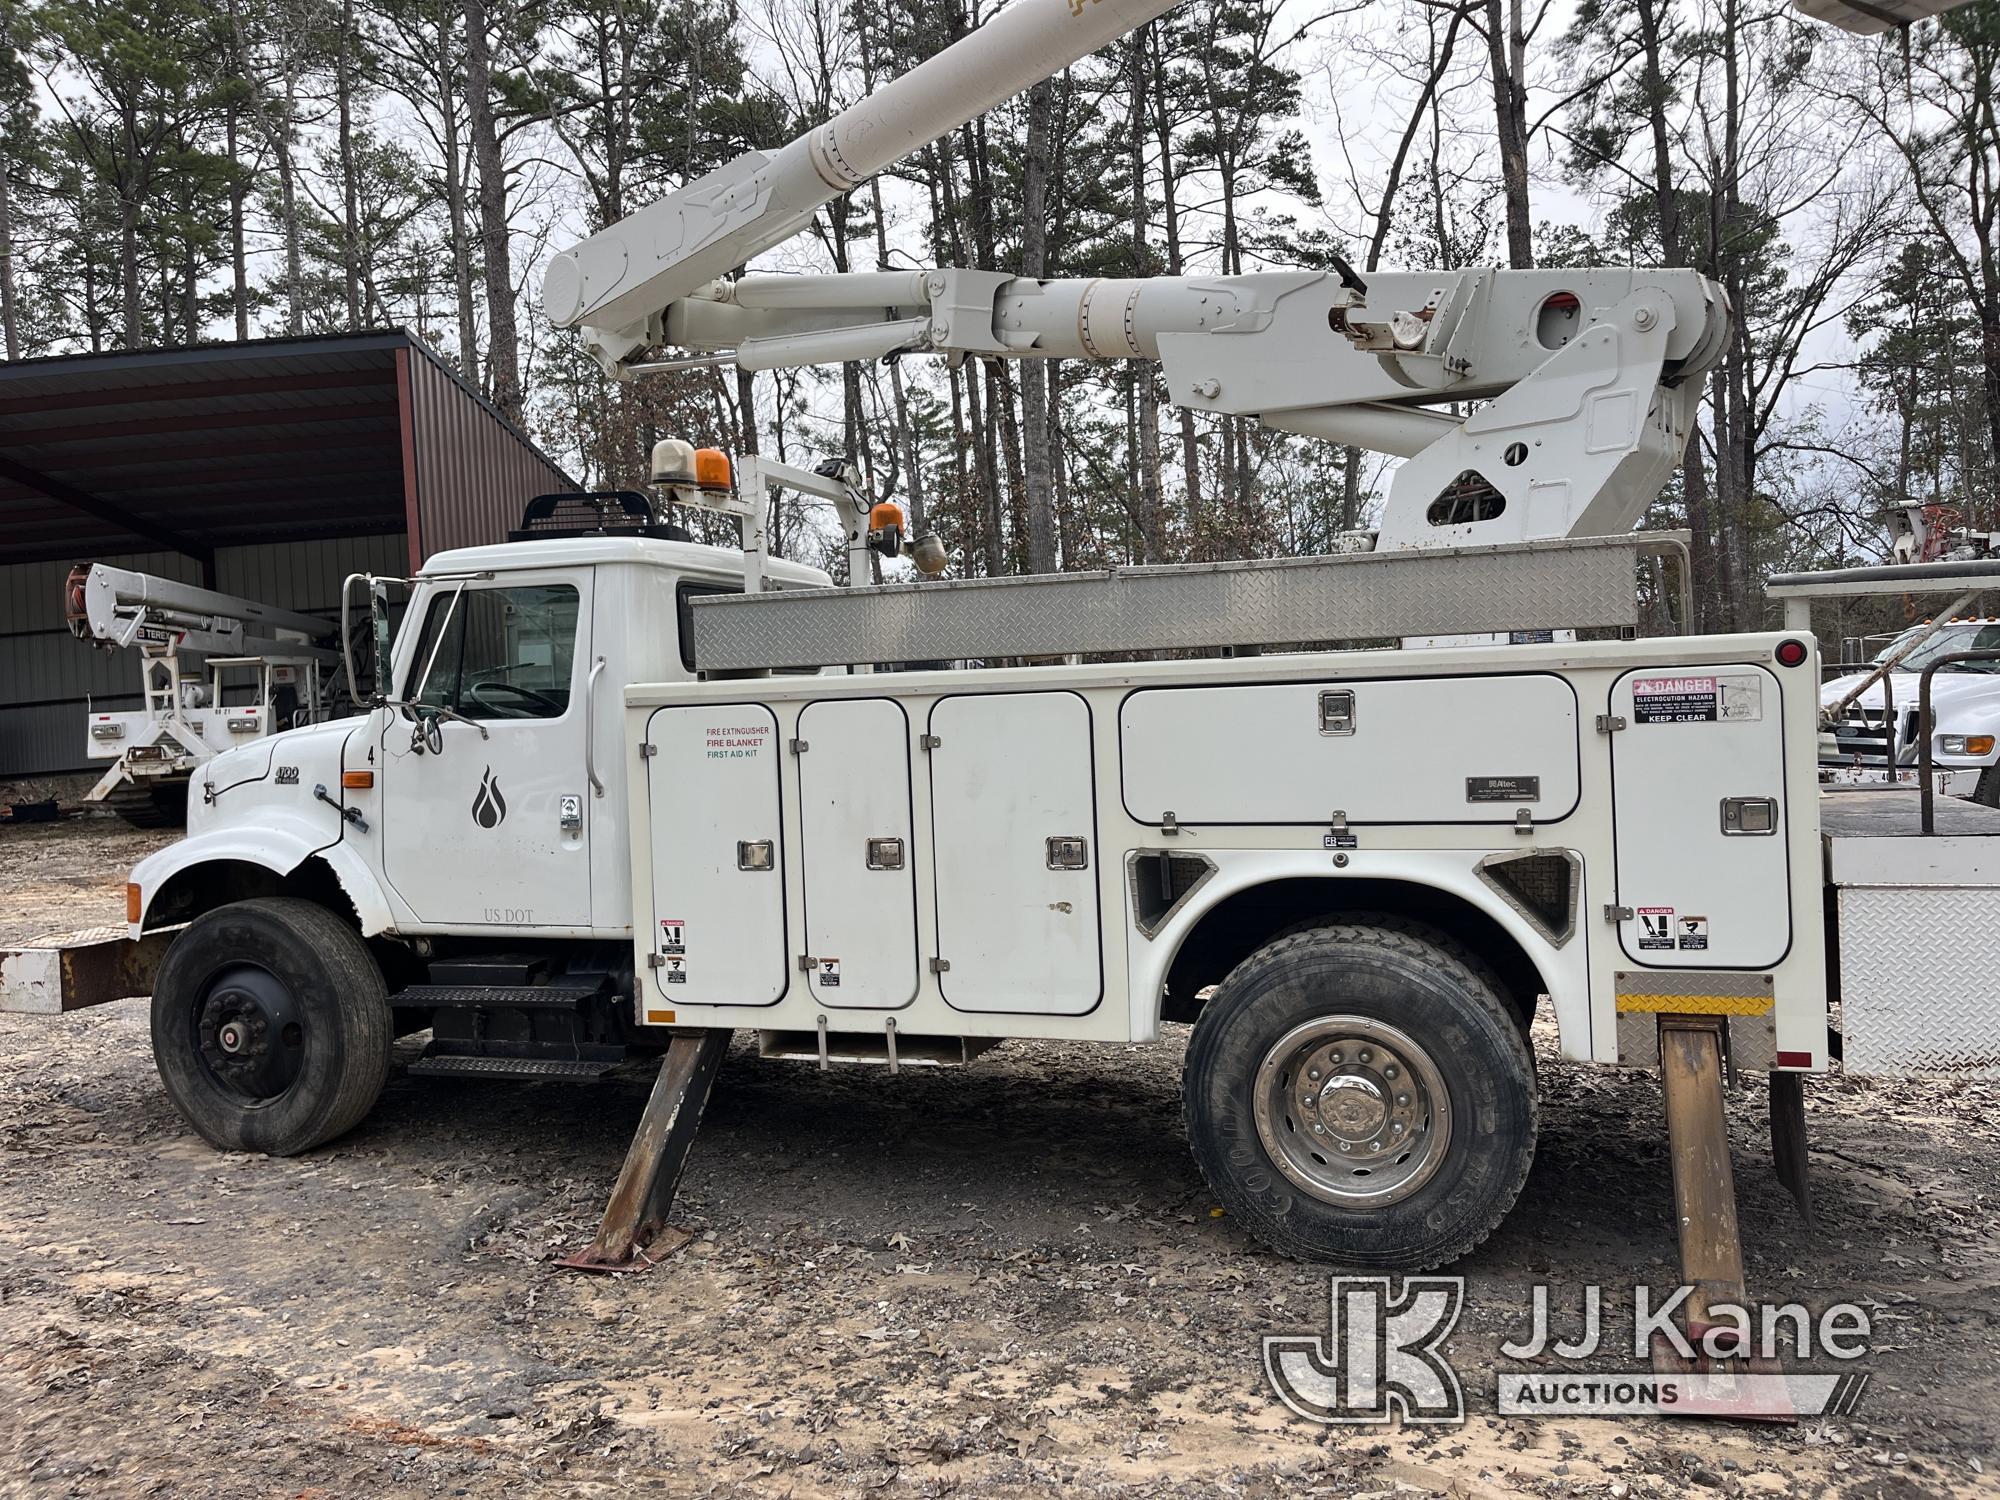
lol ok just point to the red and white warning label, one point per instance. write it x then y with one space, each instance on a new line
1656 927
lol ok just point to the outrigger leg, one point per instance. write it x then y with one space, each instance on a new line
1691 1052
635 1233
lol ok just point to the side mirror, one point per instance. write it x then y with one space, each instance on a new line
378 616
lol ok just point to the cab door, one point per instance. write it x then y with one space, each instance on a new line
487 823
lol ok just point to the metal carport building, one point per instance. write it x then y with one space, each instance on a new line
270 469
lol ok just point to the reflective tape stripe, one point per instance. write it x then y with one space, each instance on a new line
1698 1005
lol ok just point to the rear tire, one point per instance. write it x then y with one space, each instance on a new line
1394 1049
271 1026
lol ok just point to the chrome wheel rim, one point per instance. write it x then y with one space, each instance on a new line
1352 1111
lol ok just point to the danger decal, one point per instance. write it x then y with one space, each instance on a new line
1675 700
1656 927
1697 700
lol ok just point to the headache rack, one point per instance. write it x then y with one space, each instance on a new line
1581 583
594 513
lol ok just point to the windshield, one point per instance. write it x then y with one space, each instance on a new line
1950 638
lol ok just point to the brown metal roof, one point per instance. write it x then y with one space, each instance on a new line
272 440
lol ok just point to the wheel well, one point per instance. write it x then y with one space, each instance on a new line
217 882
1240 924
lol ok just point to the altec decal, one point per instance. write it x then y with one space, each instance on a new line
489 808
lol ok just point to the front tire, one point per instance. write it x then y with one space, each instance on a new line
271 1026
1357 1094
1988 788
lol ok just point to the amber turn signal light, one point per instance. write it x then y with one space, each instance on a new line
134 902
357 781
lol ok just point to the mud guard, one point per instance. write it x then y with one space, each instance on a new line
1788 1140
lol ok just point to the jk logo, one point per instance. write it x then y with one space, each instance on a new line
1381 1357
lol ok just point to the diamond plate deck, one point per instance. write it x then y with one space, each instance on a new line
1582 583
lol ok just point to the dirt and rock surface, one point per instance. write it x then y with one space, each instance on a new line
1004 1281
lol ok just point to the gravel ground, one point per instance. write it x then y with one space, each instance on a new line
1005 1281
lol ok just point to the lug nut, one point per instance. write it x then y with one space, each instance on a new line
1312 1072
1390 1071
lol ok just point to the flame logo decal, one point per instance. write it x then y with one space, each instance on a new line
489 808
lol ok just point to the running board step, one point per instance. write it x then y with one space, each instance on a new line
496 996
568 1070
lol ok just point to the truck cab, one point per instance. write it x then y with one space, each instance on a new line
485 799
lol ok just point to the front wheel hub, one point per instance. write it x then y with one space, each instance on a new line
1352 1110
248 1034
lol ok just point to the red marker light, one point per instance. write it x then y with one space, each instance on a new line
1792 653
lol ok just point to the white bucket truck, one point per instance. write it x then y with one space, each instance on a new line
606 804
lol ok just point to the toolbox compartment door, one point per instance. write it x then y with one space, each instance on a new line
1017 915
856 846
718 928
1402 750
1708 887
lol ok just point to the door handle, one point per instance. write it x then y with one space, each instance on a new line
590 728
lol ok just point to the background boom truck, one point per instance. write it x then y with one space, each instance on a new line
610 798
216 670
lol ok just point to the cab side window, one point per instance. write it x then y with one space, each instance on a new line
497 653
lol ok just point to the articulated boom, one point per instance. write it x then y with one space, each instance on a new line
1590 376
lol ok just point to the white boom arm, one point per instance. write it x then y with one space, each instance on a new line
616 283
116 607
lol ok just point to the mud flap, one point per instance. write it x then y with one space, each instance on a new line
635 1233
1788 1140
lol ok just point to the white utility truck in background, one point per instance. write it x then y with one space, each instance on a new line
1871 712
216 671
617 792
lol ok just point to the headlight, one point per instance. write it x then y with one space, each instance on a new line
1966 744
